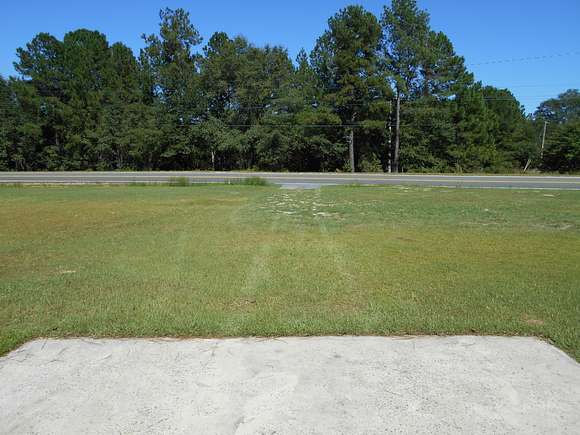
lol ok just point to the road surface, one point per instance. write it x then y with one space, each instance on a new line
297 179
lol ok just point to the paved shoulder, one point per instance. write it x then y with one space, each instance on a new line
290 385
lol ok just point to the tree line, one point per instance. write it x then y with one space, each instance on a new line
381 93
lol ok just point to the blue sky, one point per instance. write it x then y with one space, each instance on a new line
481 31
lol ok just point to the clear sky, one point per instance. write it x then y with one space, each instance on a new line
481 30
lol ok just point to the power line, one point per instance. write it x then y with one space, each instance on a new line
538 85
288 125
518 98
296 125
526 59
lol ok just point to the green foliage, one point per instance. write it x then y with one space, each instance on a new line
565 108
346 60
7 111
562 118
248 181
371 164
178 181
513 132
81 103
563 148
421 62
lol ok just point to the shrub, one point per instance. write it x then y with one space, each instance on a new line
249 181
178 181
371 164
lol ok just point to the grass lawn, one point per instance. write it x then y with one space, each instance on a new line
246 260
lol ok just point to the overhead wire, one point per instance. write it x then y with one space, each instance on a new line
526 59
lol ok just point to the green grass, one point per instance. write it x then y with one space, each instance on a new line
178 182
185 182
218 260
248 181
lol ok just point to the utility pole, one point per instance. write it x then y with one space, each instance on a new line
397 133
543 140
351 145
390 149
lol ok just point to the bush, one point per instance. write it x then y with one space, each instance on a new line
179 181
371 164
249 181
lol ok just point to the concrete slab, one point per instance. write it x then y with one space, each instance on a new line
290 386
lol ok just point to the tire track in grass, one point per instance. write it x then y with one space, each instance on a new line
259 271
244 304
179 266
273 278
185 289
344 301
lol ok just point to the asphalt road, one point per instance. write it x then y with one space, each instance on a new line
297 179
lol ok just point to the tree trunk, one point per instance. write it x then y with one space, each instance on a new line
390 144
397 134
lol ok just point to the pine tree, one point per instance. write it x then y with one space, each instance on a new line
345 59
173 66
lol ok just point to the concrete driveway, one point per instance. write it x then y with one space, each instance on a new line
312 385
